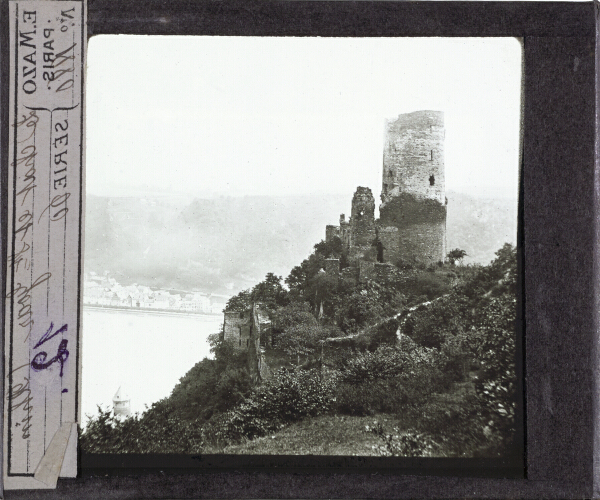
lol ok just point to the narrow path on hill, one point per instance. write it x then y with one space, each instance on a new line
403 315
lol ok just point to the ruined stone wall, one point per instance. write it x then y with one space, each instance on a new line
261 338
264 371
251 331
344 231
413 156
362 220
413 194
237 328
345 235
422 227
390 239
254 361
379 272
412 223
386 272
331 232
261 326
366 270
423 242
366 252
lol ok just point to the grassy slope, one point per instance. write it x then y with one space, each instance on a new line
323 435
337 434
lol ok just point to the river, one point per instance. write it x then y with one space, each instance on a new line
144 353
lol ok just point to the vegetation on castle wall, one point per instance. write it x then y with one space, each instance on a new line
406 209
456 254
269 292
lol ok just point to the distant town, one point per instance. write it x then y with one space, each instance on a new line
105 291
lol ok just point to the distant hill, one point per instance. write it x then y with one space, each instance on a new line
480 226
222 245
226 244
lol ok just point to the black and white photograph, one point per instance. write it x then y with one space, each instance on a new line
302 246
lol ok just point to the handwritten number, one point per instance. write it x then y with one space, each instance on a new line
57 201
47 335
66 85
39 361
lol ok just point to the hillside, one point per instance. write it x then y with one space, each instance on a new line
227 244
351 368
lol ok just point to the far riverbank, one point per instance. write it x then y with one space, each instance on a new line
161 312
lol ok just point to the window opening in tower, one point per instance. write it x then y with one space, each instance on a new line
379 251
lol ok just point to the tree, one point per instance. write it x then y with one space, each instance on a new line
456 254
359 308
295 313
270 292
296 280
332 248
320 291
304 339
493 341
300 276
240 302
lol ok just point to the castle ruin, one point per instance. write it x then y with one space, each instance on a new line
411 227
250 331
412 216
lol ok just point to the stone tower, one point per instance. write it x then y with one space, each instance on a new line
413 193
121 406
362 219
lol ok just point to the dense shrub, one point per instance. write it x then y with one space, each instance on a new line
212 385
383 333
375 396
455 359
461 427
305 339
385 362
408 443
295 313
429 285
286 397
387 379
358 309
431 325
159 430
494 344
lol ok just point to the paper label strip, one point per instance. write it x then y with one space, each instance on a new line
42 320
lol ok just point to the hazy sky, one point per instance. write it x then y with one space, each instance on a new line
246 115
